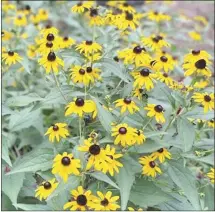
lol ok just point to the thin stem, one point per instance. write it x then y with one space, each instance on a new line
85 92
147 123
80 126
58 86
168 126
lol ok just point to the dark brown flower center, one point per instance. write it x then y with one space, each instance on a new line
81 71
27 7
20 17
156 40
65 38
152 164
200 64
79 4
122 130
89 42
51 56
89 69
138 132
158 108
81 200
165 74
49 44
65 161
94 149
129 16
79 102
163 59
155 13
195 52
125 4
144 72
55 128
48 26
10 53
159 37
50 37
2 34
104 202
93 12
160 150
127 100
212 121
47 185
116 59
140 90
207 98
137 50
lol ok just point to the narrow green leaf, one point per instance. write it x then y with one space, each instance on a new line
39 159
32 207
103 177
184 179
5 153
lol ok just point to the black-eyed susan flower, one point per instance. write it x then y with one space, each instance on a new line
79 75
43 14
137 56
35 19
123 134
207 100
95 18
138 92
20 20
51 62
201 84
211 123
93 73
111 165
157 17
65 165
196 55
81 106
155 42
56 131
140 137
164 63
165 78
195 35
81 200
201 19
6 6
91 57
46 188
127 20
143 78
46 48
105 202
49 30
5 35
150 168
31 52
125 7
127 104
199 67
96 153
88 47
81 6
10 58
211 175
161 154
155 111
66 42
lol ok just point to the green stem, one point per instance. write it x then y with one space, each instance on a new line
147 123
168 126
58 86
80 126
85 92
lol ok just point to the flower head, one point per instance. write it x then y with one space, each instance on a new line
88 47
81 6
56 131
46 188
161 154
11 57
211 175
65 165
127 104
155 111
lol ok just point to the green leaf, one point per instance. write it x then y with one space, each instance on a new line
126 177
147 147
186 133
12 185
144 193
39 159
209 197
205 143
114 68
32 207
104 116
73 182
198 113
209 159
5 153
184 179
57 202
103 177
